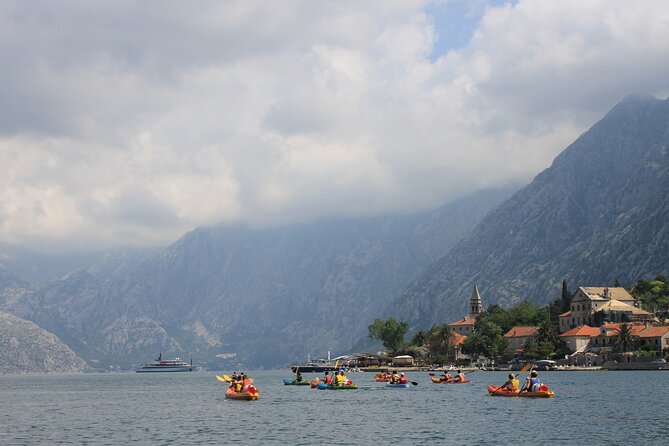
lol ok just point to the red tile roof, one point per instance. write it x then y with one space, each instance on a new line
521 332
612 329
458 339
654 332
464 321
583 330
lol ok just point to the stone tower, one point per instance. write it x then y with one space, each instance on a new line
475 303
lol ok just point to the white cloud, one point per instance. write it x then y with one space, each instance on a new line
127 123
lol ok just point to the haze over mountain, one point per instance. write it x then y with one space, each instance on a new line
262 297
600 213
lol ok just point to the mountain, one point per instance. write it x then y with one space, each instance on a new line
26 348
260 297
599 213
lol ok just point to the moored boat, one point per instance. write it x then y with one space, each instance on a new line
544 392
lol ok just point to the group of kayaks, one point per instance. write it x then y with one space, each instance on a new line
249 393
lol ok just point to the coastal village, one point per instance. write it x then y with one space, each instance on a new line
589 333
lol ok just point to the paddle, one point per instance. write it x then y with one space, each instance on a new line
225 379
525 368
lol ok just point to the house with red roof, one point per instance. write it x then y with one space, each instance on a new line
595 306
517 337
578 339
657 337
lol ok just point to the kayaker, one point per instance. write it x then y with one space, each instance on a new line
447 377
298 377
459 377
403 379
512 383
532 382
395 378
236 383
328 378
341 379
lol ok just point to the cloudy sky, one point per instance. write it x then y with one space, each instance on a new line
127 123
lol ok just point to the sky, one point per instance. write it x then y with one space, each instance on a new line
129 123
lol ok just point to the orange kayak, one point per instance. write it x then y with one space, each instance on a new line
382 380
498 391
250 394
437 380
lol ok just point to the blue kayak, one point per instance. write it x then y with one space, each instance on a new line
397 385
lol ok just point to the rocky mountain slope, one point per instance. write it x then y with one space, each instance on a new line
26 348
600 213
260 297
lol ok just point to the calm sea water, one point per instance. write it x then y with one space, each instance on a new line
189 408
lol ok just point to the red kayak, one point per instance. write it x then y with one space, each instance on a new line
544 392
437 380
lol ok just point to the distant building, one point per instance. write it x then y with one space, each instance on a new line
586 338
466 325
578 339
517 337
595 306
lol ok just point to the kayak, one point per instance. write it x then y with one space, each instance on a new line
290 382
544 393
324 386
382 380
251 394
441 381
397 385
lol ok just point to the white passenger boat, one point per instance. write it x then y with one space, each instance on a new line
166 365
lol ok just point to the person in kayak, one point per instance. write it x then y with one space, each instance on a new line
396 378
512 383
403 379
447 377
298 377
532 382
341 379
459 377
328 378
236 382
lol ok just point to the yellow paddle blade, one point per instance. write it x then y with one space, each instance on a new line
225 379
525 368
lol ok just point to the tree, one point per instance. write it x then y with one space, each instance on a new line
487 340
566 296
625 341
547 334
391 332
419 338
441 339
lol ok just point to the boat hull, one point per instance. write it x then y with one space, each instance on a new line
314 368
324 386
241 396
440 381
497 391
164 369
290 382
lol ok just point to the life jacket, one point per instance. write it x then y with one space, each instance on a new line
328 379
403 379
515 384
534 384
